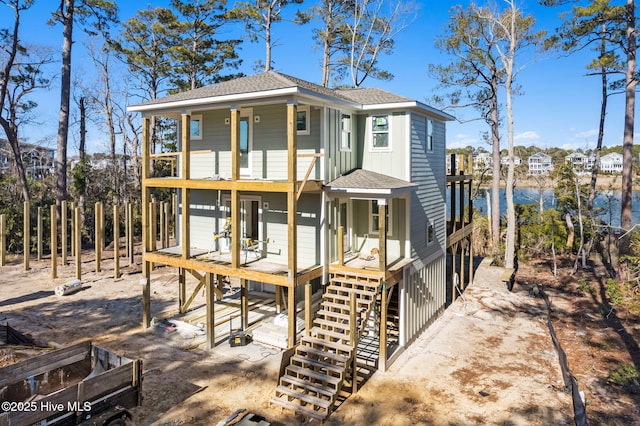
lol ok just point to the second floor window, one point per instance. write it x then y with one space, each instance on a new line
380 132
195 130
345 138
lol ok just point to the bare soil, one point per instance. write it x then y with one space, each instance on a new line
488 359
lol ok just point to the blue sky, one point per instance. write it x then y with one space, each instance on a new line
559 105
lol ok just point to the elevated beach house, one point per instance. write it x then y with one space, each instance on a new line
290 188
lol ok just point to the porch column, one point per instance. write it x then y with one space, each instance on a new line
244 303
185 172
292 264
146 194
235 196
382 234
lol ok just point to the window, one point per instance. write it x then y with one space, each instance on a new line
374 214
429 135
345 138
380 132
302 120
195 130
430 233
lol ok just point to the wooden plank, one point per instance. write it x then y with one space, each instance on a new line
210 311
26 232
106 382
299 409
309 399
53 242
304 384
301 371
45 362
53 400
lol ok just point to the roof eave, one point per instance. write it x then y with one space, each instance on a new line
410 104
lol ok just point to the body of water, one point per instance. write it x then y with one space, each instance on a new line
606 203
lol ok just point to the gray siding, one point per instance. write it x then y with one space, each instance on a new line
428 202
423 297
337 160
391 163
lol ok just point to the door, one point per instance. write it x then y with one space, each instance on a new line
344 221
250 226
246 141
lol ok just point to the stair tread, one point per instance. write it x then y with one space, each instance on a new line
365 282
313 374
326 343
334 334
317 364
310 386
347 299
329 323
299 409
320 353
325 305
333 289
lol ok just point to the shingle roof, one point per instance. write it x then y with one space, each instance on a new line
368 181
268 80
372 96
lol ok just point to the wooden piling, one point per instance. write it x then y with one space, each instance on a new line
98 234
307 309
54 242
131 242
165 212
26 233
39 227
3 239
63 231
77 236
73 229
116 243
162 203
353 331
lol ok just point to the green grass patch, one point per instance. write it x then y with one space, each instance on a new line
625 374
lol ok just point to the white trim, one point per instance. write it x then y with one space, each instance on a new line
307 110
248 113
371 133
198 118
389 204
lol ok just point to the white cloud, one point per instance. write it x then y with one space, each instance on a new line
587 134
527 137
462 140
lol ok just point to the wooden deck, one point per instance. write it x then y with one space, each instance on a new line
252 267
369 265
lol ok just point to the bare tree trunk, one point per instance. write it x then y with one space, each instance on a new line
495 178
83 156
267 42
65 95
580 253
629 117
603 114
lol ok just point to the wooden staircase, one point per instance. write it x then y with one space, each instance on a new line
324 358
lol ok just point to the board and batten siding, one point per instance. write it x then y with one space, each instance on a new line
423 298
338 161
208 216
268 154
428 201
390 162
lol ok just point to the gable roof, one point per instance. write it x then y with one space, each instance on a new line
367 182
272 83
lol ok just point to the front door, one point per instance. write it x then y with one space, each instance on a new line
250 226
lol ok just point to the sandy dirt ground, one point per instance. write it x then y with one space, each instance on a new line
487 360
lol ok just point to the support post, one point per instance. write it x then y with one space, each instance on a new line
98 234
153 221
144 209
307 309
185 174
26 233
382 235
353 337
78 243
291 316
182 289
278 299
73 229
162 224
39 233
63 231
244 303
211 311
116 243
130 241
54 241
382 359
3 239
341 245
165 213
